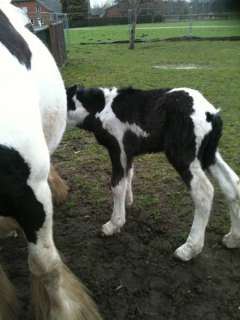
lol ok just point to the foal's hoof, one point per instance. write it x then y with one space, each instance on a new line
230 241
8 234
129 203
129 200
13 234
186 252
108 229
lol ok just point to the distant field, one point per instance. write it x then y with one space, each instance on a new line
154 31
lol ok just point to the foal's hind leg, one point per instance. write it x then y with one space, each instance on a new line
202 195
230 185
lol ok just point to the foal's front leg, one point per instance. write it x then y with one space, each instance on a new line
118 217
119 185
129 195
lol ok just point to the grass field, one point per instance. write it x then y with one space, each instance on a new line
154 31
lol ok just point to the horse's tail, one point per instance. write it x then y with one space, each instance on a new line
8 298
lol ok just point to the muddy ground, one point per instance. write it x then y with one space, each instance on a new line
133 275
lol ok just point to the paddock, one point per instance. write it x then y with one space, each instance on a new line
154 31
133 275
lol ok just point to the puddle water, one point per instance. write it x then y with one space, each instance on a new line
178 66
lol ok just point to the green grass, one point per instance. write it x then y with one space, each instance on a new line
116 65
154 31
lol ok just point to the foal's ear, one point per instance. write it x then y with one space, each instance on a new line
81 86
71 90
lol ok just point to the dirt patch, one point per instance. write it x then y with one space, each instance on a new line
179 67
133 275
177 39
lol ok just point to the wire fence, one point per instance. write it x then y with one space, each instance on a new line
152 26
145 15
42 20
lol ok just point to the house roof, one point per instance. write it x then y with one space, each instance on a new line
51 5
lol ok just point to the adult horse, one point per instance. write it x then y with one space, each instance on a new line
32 122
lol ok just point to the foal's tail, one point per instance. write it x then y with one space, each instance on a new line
209 145
8 298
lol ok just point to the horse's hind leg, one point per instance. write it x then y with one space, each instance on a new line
26 197
57 293
8 299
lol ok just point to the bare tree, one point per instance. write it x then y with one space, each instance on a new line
133 13
100 8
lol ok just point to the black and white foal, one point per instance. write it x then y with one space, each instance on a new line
179 122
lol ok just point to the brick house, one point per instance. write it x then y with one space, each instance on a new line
39 11
118 10
47 20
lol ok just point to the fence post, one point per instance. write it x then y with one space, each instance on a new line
132 30
57 42
190 21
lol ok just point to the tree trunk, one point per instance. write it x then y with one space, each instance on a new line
133 22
